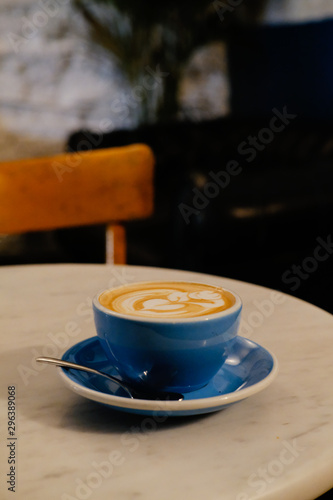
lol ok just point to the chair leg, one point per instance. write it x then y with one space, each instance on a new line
115 244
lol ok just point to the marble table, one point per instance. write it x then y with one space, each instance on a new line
277 444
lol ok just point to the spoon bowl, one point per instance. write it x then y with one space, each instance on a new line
132 392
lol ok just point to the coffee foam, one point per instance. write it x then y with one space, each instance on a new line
167 299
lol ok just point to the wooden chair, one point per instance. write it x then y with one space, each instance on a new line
105 186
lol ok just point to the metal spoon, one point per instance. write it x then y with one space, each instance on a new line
133 393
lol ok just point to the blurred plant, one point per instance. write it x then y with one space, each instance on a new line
157 35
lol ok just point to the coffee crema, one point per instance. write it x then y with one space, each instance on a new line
167 299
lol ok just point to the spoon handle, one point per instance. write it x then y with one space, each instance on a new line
75 366
133 393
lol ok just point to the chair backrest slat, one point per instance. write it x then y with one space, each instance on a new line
74 189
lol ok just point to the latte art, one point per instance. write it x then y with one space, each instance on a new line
167 299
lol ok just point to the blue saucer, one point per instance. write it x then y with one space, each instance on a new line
248 369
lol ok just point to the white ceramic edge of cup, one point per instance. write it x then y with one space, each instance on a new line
131 317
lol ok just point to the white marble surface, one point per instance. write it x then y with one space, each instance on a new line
275 445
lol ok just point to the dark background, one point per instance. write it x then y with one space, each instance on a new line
263 227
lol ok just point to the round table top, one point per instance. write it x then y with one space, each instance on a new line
274 445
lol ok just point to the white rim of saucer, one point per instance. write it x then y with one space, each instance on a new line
131 317
172 406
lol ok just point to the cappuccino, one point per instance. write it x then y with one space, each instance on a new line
167 299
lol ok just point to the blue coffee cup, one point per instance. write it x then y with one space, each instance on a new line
171 354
